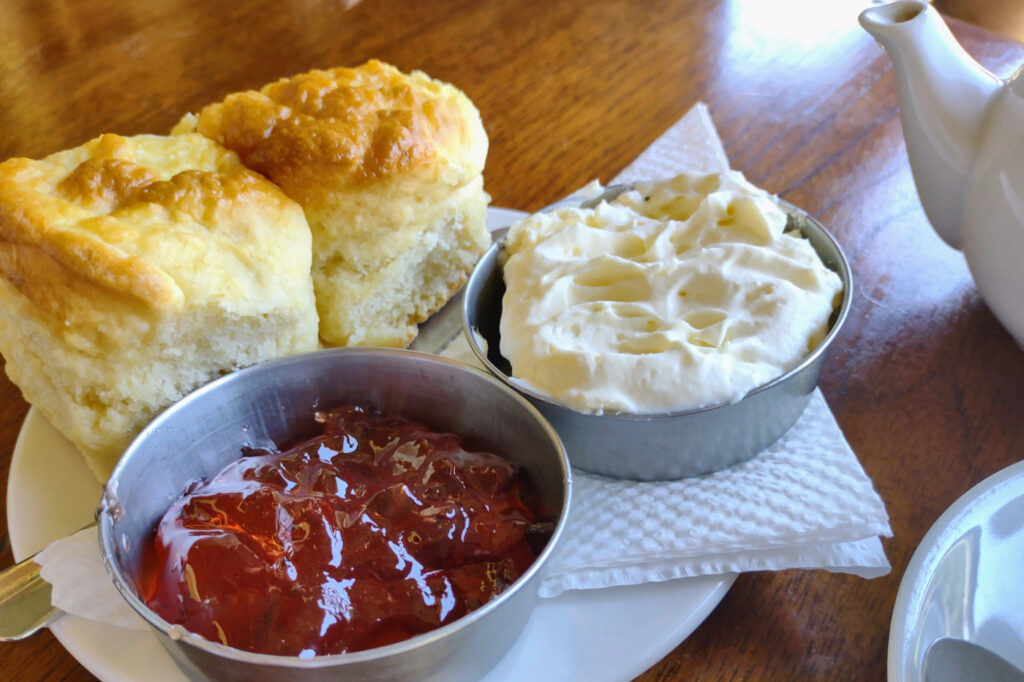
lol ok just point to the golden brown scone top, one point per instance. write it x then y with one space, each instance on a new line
150 219
363 124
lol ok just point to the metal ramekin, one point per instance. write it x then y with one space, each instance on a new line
671 445
199 435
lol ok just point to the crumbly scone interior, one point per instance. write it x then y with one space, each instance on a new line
366 300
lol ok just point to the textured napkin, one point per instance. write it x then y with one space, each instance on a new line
803 503
81 584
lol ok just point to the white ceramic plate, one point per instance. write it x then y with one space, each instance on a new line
964 579
610 634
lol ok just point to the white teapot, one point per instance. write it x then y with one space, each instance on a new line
964 130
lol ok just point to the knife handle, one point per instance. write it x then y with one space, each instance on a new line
24 601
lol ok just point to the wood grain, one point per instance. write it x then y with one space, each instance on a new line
927 387
1002 16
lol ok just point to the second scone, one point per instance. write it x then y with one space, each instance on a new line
388 168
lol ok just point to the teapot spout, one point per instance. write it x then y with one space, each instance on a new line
944 95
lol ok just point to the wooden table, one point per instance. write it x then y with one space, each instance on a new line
927 387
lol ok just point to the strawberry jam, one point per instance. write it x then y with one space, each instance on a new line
373 532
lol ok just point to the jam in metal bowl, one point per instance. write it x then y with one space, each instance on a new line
276 403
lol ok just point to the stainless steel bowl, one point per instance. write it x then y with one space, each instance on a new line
199 435
668 445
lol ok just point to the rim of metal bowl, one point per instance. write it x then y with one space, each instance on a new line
838 317
126 588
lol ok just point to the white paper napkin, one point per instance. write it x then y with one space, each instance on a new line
803 503
81 584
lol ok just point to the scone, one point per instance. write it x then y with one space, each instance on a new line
133 270
388 168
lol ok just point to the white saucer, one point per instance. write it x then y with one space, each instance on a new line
964 579
600 635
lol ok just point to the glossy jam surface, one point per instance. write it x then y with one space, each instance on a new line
373 532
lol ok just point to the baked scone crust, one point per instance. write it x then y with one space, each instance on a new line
326 129
132 270
388 167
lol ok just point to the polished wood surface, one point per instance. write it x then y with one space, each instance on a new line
1002 16
927 387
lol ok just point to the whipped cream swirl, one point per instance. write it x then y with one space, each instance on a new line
675 295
